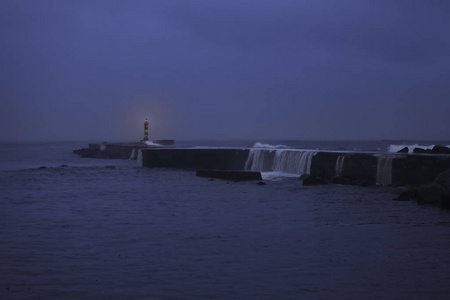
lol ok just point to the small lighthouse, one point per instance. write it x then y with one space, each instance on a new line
145 130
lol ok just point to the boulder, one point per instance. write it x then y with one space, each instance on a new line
438 149
230 175
314 180
432 193
407 195
446 199
443 179
404 150
304 176
420 150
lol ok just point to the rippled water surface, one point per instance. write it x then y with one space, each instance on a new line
90 232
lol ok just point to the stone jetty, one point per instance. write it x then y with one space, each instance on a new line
416 170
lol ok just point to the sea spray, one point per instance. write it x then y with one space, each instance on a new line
384 169
262 145
340 165
149 143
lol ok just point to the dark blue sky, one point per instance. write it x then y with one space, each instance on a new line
93 70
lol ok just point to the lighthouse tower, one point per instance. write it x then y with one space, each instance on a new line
145 130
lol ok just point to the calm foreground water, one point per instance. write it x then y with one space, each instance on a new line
90 232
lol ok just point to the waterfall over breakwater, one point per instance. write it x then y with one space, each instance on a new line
133 154
280 160
340 165
139 157
384 170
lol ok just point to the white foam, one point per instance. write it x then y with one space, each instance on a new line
261 145
149 143
276 176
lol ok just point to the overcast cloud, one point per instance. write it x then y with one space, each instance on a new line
93 70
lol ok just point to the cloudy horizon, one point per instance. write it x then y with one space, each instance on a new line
347 70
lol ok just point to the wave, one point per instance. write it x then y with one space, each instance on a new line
395 148
261 145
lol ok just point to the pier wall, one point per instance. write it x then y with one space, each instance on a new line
106 150
191 158
337 167
374 168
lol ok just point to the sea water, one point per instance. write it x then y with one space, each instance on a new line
110 229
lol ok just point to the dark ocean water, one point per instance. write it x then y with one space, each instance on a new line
90 232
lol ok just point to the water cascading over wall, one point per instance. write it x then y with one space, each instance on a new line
133 154
384 169
260 160
139 157
339 165
280 160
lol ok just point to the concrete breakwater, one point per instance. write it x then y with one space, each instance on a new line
354 168
337 167
194 158
119 150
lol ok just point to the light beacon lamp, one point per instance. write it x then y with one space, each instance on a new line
145 130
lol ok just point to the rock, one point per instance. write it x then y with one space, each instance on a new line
420 150
438 149
230 175
314 180
404 150
443 179
110 167
303 176
406 195
43 167
261 183
446 200
63 166
432 193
